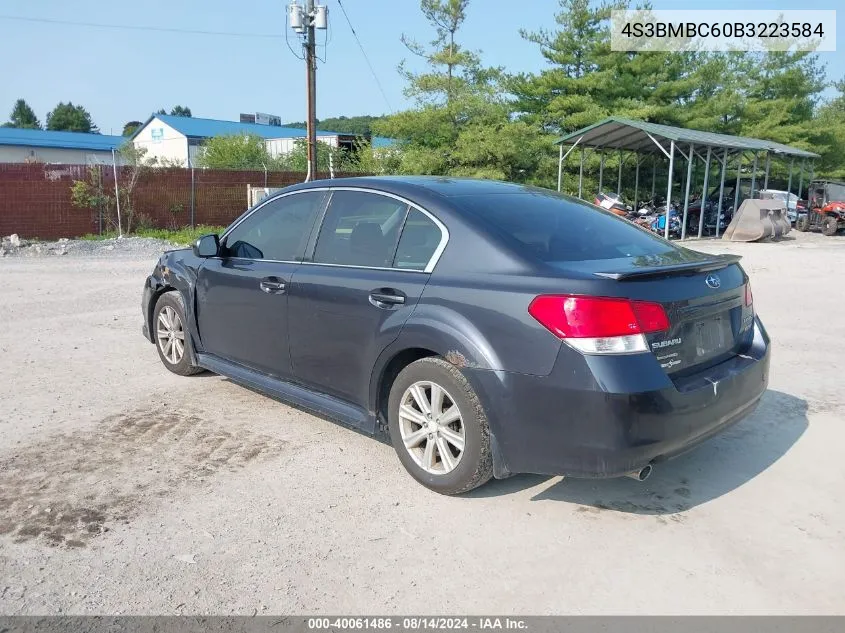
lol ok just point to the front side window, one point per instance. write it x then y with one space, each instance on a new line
278 230
360 229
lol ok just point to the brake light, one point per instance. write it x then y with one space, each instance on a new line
599 325
749 298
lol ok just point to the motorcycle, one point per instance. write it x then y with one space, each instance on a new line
650 206
658 223
613 203
709 225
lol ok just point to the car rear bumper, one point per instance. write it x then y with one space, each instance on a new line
597 416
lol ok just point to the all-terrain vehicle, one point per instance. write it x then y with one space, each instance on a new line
826 207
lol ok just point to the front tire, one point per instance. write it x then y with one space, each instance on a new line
173 341
830 225
439 428
802 223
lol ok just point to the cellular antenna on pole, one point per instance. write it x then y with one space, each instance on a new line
304 21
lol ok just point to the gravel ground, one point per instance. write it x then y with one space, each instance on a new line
135 247
127 489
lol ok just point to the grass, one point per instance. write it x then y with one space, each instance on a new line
185 235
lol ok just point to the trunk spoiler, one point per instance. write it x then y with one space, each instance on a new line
721 261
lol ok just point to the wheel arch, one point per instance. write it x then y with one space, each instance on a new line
155 295
449 336
390 369
173 275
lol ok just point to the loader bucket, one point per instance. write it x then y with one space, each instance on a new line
757 220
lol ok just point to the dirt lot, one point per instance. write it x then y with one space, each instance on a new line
126 489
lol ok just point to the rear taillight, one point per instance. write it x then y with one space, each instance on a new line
749 298
600 325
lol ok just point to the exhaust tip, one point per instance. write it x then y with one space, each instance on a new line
642 474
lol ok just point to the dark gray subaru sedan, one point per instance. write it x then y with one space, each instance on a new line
493 328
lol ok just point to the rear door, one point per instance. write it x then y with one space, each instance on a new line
371 261
242 295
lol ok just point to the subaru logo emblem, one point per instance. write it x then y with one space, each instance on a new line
713 281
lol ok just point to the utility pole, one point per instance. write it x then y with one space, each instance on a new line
305 22
311 81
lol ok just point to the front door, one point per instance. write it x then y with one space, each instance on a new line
369 268
242 294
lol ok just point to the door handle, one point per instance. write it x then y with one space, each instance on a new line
272 285
386 297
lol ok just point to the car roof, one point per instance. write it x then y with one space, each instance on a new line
446 186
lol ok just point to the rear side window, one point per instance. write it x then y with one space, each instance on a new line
360 229
556 228
419 241
278 230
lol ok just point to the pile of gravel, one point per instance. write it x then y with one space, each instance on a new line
14 246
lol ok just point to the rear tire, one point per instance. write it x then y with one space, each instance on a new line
439 428
172 339
830 225
802 223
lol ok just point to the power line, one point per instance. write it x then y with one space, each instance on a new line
133 27
364 53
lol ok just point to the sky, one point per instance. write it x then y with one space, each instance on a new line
121 75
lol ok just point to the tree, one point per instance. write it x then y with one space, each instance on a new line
374 160
96 192
359 125
783 93
236 151
561 98
462 123
447 17
328 158
180 111
828 135
70 118
130 127
136 165
23 116
176 111
588 81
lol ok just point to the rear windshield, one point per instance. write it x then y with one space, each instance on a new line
559 229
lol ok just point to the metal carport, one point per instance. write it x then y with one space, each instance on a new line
642 139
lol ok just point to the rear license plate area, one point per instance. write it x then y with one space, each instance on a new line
709 337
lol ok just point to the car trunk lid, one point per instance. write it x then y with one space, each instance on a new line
704 297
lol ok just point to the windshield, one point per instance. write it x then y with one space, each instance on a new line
557 228
835 192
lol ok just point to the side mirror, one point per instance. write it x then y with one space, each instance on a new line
207 246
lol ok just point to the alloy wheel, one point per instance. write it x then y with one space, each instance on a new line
431 426
170 335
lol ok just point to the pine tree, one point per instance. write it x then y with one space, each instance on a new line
23 116
71 118
462 123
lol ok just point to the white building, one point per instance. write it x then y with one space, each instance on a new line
45 146
176 139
